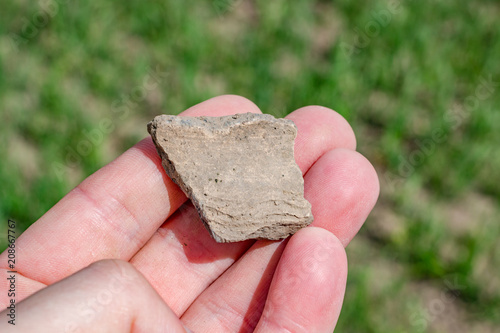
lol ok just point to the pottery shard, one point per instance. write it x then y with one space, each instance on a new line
239 171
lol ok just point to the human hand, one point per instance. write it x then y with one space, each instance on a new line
167 266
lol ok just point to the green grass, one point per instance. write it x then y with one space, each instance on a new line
437 218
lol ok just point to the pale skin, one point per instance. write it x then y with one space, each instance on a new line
125 252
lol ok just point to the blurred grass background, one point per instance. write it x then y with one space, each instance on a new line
411 78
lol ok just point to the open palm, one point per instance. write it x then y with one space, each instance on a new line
165 265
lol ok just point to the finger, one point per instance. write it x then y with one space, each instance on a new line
23 287
183 253
307 290
108 296
113 212
343 190
319 130
234 302
246 287
182 259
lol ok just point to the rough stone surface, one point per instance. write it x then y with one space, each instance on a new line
239 171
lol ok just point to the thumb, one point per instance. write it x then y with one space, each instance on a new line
308 287
107 296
